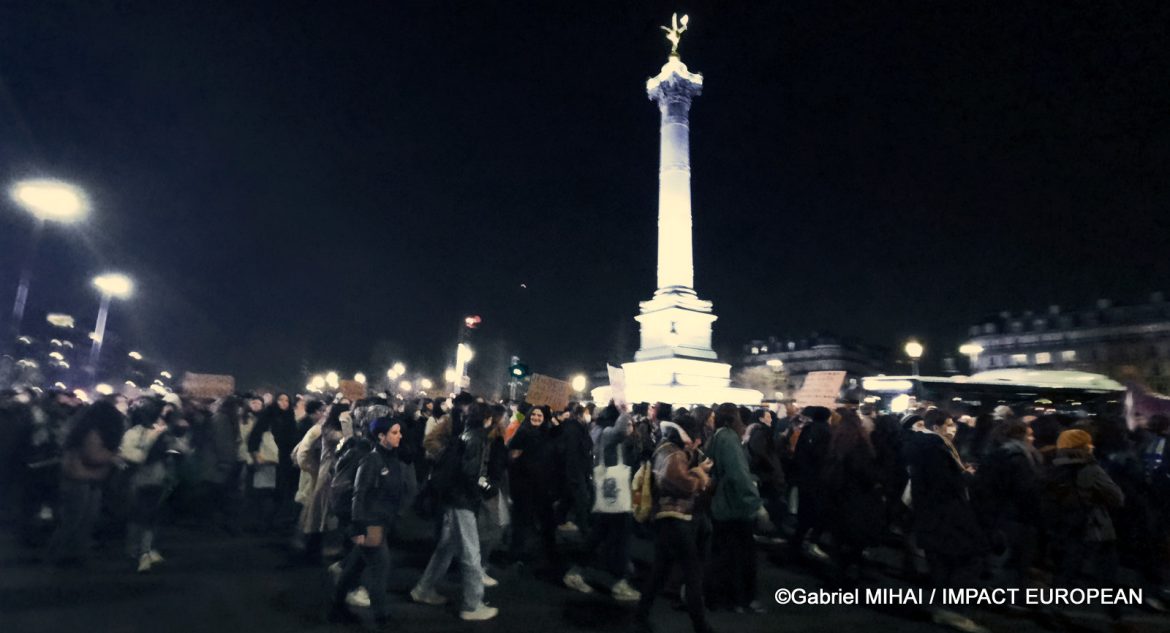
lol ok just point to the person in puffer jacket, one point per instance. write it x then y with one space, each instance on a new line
379 488
675 541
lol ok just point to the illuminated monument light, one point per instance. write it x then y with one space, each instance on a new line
675 362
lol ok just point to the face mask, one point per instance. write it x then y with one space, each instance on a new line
587 418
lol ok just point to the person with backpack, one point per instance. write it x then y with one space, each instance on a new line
458 473
676 487
378 489
1077 497
350 453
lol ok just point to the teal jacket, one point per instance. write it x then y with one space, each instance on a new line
736 497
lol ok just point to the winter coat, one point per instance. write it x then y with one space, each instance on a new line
576 449
536 468
283 426
462 491
851 485
944 519
1078 495
763 458
90 461
809 455
146 449
1007 485
675 484
221 453
315 516
736 497
608 440
379 488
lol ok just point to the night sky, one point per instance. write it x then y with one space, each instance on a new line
334 185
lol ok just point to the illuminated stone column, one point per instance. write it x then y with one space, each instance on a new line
673 89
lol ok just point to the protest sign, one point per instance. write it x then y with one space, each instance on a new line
820 389
545 390
210 386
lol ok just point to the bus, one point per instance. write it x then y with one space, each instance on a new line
1036 390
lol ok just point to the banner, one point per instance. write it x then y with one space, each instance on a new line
209 386
617 384
545 390
352 390
820 389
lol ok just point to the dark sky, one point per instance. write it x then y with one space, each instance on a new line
331 184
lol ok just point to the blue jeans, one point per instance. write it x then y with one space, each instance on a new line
458 536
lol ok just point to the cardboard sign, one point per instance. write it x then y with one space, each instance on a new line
210 386
820 389
617 384
351 390
545 390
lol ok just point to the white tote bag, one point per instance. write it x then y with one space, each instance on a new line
611 484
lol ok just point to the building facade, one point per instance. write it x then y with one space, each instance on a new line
798 356
1124 342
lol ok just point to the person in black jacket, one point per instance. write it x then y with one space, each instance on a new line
533 478
461 497
377 496
811 447
1007 495
576 449
278 418
945 523
851 481
764 462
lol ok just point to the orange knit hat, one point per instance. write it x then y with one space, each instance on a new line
1074 438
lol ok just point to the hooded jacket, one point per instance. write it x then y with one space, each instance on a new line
675 485
736 497
1086 514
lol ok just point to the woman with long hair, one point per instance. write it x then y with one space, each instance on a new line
851 481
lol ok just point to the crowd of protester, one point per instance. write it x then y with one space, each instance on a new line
1013 498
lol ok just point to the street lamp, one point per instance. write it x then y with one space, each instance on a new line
112 286
48 201
775 363
914 350
359 378
405 386
579 383
425 384
972 350
135 355
332 379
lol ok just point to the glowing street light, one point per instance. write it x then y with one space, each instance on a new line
425 384
399 368
56 319
914 350
135 355
360 378
166 374
775 363
332 379
317 383
46 200
579 383
51 200
449 375
405 386
111 285
103 389
972 351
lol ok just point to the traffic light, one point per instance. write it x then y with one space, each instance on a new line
518 370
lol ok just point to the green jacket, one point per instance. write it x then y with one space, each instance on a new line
736 497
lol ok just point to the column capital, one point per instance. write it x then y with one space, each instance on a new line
674 83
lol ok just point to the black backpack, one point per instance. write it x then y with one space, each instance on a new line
350 456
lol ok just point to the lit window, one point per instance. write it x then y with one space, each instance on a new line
1019 359
1043 358
1068 355
764 350
755 350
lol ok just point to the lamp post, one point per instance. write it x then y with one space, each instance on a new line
579 383
111 285
972 351
914 350
46 200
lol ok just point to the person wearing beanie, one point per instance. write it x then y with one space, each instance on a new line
1076 498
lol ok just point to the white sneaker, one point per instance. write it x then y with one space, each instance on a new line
488 581
335 572
431 598
575 581
144 563
623 592
568 526
155 557
956 621
484 612
814 551
358 598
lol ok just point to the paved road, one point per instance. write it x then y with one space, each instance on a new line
223 584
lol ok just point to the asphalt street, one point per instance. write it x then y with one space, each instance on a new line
215 582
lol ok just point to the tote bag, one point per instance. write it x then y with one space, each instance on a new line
612 486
